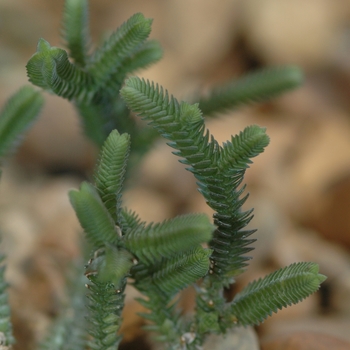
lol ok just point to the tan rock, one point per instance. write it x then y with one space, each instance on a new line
306 341
330 215
198 32
299 31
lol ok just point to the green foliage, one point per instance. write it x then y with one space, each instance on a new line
129 220
93 216
110 172
182 270
15 118
110 264
114 266
155 241
254 87
118 47
160 259
247 144
277 290
93 127
105 307
219 170
142 57
76 30
93 80
166 320
50 69
169 253
18 114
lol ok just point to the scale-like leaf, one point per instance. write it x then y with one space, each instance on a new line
249 143
182 270
118 47
76 30
50 69
129 220
93 216
143 56
110 171
181 123
279 289
219 170
17 115
165 239
254 87
149 53
106 306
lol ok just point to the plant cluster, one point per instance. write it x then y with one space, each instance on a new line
160 259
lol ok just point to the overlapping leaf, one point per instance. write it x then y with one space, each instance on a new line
168 238
219 170
50 69
182 270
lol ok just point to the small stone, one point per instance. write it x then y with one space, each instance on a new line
237 339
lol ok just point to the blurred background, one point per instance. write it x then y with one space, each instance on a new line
300 186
